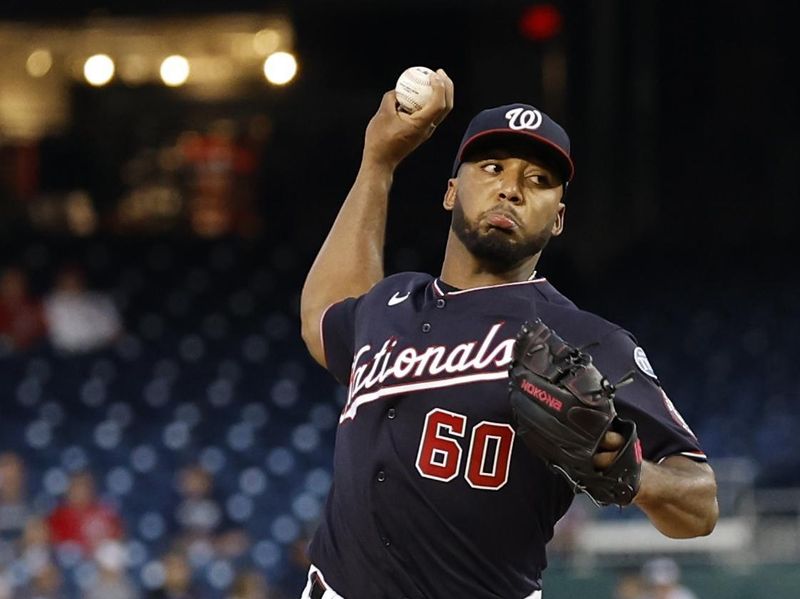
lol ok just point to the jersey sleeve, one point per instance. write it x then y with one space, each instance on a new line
662 430
338 333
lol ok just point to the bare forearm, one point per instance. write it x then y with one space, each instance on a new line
679 497
351 259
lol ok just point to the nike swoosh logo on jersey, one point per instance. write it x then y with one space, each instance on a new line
397 299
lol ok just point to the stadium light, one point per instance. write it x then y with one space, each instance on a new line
280 68
174 70
39 63
98 69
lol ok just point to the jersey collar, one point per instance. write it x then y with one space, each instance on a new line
444 289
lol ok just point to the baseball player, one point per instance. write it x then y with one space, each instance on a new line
448 475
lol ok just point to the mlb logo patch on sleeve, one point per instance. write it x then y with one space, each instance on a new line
643 363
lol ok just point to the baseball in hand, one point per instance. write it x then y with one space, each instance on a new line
413 89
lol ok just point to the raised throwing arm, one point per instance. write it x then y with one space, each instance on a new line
350 261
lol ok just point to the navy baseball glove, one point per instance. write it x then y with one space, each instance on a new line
563 406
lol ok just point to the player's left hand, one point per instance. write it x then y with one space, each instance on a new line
563 409
607 450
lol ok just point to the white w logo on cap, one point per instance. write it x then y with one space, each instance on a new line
522 118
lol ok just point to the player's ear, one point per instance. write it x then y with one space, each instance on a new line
558 223
450 194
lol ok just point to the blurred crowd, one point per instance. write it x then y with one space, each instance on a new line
72 317
104 362
82 528
659 578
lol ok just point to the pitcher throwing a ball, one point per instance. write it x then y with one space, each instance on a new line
481 400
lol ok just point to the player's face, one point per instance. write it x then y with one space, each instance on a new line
506 205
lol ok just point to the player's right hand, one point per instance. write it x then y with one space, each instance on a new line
392 135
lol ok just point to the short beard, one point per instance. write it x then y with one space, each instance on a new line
495 249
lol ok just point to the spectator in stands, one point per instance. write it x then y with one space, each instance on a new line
34 549
177 579
14 509
80 320
661 578
22 322
250 585
5 586
45 583
200 519
82 518
198 514
112 581
629 586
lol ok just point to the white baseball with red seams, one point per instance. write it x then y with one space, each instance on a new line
413 88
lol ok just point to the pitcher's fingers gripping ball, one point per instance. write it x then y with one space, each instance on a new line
413 89
563 407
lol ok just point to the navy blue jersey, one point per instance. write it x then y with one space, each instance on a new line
433 497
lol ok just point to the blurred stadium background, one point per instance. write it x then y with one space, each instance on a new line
168 171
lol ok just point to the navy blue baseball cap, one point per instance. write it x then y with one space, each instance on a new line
519 121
